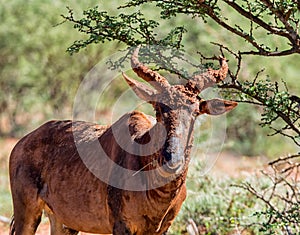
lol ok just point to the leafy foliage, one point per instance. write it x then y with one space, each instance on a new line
277 104
271 19
278 18
132 29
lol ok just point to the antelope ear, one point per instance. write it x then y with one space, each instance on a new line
143 91
216 106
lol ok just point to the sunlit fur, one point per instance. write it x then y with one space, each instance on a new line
48 172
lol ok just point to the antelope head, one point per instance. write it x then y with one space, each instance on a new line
177 107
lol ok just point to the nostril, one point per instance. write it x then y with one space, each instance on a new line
167 155
173 161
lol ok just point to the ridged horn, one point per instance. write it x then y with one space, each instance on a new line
159 82
202 81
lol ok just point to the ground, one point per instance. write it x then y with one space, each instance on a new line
227 164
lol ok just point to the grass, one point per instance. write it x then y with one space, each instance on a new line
217 207
223 206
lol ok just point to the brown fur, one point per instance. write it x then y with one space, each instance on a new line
47 174
59 168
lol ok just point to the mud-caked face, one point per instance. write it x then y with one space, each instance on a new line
177 111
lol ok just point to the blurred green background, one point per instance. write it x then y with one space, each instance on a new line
39 80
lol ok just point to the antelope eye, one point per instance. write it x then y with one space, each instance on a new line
196 113
165 108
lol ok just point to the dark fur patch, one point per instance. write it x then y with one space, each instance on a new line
120 228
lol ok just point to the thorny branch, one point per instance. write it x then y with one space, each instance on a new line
290 34
291 121
287 27
288 31
271 17
284 159
275 103
282 192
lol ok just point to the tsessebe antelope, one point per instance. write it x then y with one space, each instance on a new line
48 169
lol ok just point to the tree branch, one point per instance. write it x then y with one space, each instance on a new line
273 53
258 21
284 159
291 34
294 37
247 37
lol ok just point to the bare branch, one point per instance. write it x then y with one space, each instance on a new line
293 36
288 33
247 37
258 21
273 53
284 159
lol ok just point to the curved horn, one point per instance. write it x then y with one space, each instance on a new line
159 82
202 81
141 89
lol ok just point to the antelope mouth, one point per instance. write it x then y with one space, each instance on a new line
174 159
170 169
